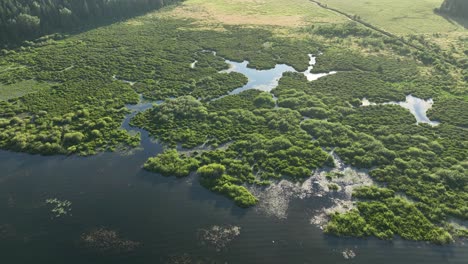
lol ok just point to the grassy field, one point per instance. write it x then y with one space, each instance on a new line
21 88
255 12
398 16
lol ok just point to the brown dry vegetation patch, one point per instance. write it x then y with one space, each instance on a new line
210 15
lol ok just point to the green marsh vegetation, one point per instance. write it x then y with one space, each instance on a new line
82 111
248 139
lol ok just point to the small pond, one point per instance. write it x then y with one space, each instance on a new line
267 80
417 106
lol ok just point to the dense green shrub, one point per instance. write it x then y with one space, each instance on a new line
171 163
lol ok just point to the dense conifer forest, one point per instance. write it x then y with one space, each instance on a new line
29 19
457 8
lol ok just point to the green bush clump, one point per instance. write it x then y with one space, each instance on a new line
264 100
211 171
241 196
212 177
171 163
242 100
333 187
386 218
452 111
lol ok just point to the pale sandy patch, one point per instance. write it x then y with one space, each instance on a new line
207 14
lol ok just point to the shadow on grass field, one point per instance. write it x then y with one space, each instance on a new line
455 20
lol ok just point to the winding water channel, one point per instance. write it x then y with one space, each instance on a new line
175 220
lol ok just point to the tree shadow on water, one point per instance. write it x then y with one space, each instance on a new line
218 201
196 192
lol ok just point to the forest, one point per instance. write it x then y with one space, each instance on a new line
29 19
457 8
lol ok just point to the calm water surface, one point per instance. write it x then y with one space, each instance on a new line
165 215
417 106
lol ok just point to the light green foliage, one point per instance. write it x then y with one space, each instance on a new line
21 88
211 171
453 111
171 163
385 218
241 196
398 16
60 207
212 177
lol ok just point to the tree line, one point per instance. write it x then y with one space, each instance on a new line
457 8
28 19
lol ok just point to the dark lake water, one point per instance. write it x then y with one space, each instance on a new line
166 216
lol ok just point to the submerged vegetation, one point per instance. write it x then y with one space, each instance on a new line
60 208
250 139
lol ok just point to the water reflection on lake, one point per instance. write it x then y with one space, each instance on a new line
267 80
314 76
418 107
263 80
164 215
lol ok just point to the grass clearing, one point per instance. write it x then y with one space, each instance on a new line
254 12
399 16
21 88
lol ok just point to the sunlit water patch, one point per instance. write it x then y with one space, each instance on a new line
263 80
314 76
417 106
267 80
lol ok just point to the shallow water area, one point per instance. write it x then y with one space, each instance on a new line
267 80
315 76
418 107
263 80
